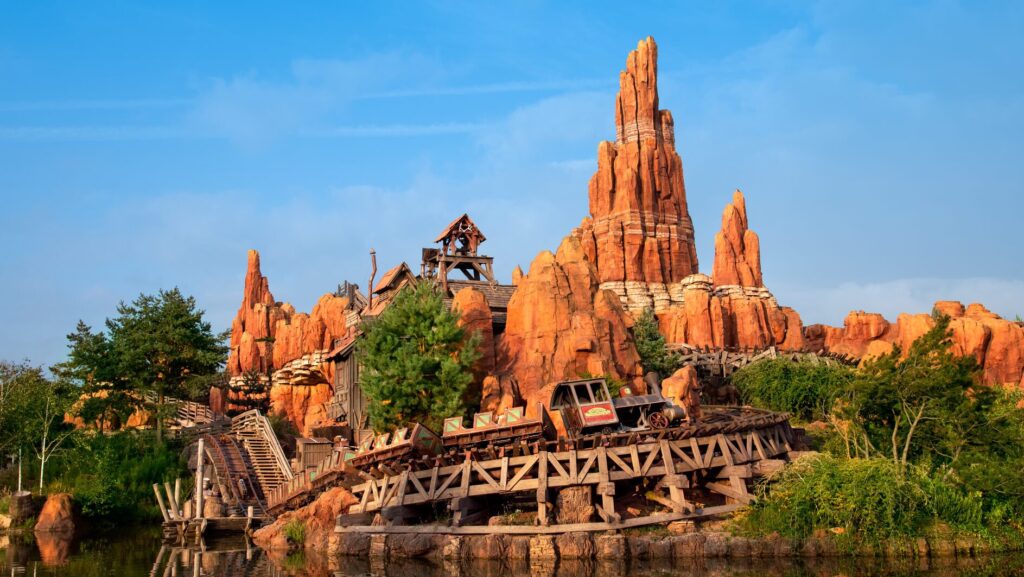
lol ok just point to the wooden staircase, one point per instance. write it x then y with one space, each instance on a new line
263 454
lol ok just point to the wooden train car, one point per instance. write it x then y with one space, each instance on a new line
404 445
487 430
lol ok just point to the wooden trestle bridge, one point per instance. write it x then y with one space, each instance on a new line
692 471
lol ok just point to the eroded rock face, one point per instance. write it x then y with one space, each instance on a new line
286 348
996 343
562 325
476 318
639 235
737 248
319 518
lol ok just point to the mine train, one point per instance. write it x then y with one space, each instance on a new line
590 416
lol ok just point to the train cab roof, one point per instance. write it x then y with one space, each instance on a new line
579 392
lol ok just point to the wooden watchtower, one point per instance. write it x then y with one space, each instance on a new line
459 242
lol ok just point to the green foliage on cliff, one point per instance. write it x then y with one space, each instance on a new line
416 361
650 345
295 532
804 389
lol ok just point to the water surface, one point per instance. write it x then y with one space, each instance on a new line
139 553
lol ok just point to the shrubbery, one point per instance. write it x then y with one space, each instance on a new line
804 389
112 476
869 499
918 442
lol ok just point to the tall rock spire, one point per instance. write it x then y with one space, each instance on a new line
639 236
737 248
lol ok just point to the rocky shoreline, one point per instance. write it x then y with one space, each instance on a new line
606 547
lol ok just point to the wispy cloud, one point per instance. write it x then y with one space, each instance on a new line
94 133
495 88
59 105
146 133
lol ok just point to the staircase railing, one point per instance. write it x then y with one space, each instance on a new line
253 422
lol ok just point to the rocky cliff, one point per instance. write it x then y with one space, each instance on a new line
996 343
732 308
562 325
286 348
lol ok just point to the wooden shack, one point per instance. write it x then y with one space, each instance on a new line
458 251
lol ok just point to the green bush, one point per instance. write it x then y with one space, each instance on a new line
295 532
112 476
804 389
870 499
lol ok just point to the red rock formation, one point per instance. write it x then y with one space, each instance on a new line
270 337
499 394
476 318
319 519
639 232
561 325
733 309
737 248
683 387
996 343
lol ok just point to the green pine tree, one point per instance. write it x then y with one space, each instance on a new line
650 345
416 361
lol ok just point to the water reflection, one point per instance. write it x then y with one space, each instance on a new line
142 554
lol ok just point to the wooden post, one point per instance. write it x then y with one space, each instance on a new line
542 488
675 492
171 501
160 501
177 496
199 481
605 487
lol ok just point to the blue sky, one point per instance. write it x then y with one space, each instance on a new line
149 145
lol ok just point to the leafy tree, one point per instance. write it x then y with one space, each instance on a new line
416 361
925 403
105 400
801 388
32 412
650 345
158 344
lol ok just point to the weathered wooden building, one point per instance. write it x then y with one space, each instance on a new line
458 253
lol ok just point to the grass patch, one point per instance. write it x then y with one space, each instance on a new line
295 532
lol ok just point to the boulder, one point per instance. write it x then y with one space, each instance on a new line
57 515
319 518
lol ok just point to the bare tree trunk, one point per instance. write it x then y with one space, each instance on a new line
42 460
910 434
160 418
